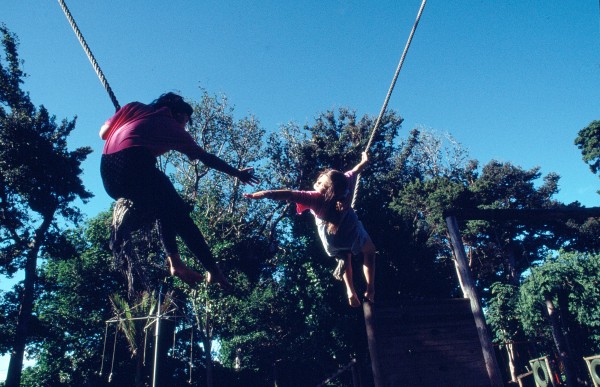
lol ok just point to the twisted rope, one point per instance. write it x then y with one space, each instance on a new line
87 50
389 94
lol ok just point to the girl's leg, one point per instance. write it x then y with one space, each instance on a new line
176 266
194 240
181 270
369 269
132 174
349 282
157 194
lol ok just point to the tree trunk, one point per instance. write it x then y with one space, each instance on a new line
15 366
512 367
572 342
511 266
559 341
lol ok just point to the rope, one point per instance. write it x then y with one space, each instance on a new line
389 94
87 50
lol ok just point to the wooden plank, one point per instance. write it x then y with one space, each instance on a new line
525 215
425 343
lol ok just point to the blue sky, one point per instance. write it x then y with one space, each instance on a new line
511 80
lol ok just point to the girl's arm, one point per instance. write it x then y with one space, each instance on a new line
245 175
276 194
360 166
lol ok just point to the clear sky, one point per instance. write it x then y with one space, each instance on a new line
511 80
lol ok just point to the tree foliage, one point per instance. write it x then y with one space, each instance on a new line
588 141
39 180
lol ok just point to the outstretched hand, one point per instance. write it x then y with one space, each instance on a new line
363 162
247 176
255 195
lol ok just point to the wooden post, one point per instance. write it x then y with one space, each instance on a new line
469 290
370 324
355 375
156 341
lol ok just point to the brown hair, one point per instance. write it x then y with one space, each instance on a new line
335 197
175 102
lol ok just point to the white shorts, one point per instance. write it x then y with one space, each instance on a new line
350 236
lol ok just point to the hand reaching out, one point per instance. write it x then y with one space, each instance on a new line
247 176
255 195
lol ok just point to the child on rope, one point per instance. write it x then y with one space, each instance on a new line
341 233
135 136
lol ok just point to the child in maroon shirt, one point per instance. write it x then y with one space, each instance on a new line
135 136
341 233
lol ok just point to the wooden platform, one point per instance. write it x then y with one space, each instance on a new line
425 343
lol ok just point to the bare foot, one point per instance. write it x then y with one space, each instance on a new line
181 270
187 275
353 301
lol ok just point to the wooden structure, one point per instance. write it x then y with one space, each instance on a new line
542 372
593 363
425 343
445 342
524 216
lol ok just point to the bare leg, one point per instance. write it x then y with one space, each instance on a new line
369 269
349 282
192 277
181 270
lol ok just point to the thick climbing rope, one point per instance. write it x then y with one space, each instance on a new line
389 94
87 50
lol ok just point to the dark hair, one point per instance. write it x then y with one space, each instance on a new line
335 198
174 102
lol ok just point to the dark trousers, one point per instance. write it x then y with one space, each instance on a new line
132 174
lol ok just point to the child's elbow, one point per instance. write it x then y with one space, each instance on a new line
104 131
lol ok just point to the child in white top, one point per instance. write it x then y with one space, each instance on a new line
341 233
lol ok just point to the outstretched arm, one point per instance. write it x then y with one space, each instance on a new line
245 175
276 194
363 162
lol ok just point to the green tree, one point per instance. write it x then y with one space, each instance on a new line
588 141
502 251
436 174
39 180
71 306
558 304
503 318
